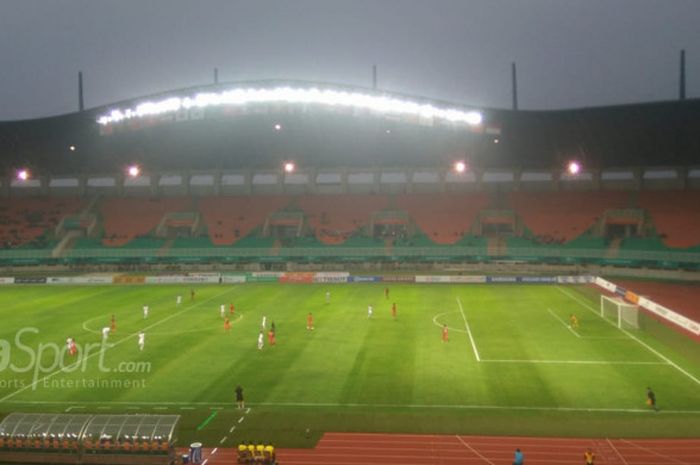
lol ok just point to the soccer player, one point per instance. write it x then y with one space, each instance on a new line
272 326
105 332
393 310
114 324
310 322
239 397
369 311
231 309
264 321
445 334
178 301
73 349
191 294
651 398
386 292
227 324
261 340
222 310
328 297
142 340
589 456
145 312
573 321
271 337
68 344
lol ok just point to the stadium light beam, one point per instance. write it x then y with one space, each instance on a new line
133 171
241 97
289 167
460 167
23 174
573 168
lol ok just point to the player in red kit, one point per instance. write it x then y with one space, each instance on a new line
227 324
445 334
310 322
231 309
113 326
271 337
393 310
386 292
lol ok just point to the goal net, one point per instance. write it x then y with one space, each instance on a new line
624 314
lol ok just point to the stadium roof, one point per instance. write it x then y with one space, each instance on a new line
263 133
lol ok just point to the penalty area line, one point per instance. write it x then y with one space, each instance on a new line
469 331
564 323
631 336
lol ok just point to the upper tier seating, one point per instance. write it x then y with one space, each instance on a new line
675 214
335 218
562 216
127 218
25 220
229 219
444 217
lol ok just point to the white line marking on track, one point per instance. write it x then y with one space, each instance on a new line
205 461
468 446
631 336
616 451
223 439
469 332
564 323
655 453
214 451
69 368
577 362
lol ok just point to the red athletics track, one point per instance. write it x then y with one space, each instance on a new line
412 449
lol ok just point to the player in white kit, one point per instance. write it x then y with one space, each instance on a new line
328 297
369 311
105 332
261 340
222 310
264 320
145 312
179 300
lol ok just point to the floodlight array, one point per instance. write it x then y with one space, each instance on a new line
313 96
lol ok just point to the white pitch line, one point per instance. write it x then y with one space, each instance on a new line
399 406
232 429
576 362
564 323
247 411
469 332
160 408
468 446
186 408
132 408
77 363
240 420
631 336
223 439
440 325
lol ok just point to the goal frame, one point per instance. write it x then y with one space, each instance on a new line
621 306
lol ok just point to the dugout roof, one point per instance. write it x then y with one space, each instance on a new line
132 427
43 425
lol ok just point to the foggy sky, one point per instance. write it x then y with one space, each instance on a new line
570 53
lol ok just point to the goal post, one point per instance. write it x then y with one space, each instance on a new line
624 314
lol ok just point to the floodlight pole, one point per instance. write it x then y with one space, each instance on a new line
514 83
81 104
681 83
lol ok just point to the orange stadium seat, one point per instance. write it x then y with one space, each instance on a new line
335 218
24 220
229 219
675 215
127 218
443 217
563 215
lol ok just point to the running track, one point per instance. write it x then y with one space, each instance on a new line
409 449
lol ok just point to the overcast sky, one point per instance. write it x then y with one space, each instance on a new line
570 53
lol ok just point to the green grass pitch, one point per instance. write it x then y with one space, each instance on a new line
511 366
